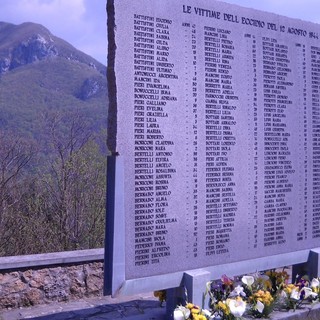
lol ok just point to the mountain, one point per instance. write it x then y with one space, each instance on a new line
40 74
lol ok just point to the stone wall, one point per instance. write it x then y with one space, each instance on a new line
44 285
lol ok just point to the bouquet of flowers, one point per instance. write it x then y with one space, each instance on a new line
257 294
258 290
226 299
278 280
293 295
231 298
191 312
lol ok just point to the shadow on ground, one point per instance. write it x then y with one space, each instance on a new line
135 310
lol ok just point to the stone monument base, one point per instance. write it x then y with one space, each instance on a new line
310 312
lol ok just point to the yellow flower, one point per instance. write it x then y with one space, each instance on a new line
190 305
278 278
268 284
195 310
223 307
263 296
315 285
161 295
270 273
199 317
288 289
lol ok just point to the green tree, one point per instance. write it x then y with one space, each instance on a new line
60 206
16 154
75 185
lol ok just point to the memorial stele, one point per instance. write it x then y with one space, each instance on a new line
215 130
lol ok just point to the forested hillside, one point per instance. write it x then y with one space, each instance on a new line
53 118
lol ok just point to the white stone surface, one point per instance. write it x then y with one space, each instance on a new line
218 119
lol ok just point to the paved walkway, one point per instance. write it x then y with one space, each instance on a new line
139 307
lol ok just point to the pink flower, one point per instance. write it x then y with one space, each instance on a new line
226 280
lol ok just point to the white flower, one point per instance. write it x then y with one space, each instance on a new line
308 293
248 280
238 291
315 283
178 315
283 297
260 306
237 306
295 295
208 314
181 313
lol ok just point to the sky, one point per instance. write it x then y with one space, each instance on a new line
80 22
83 22
308 10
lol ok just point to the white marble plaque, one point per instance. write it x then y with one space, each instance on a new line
218 124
